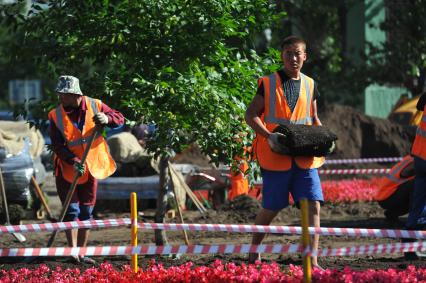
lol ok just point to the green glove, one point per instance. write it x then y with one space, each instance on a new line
79 168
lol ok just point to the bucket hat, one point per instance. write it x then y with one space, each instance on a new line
68 84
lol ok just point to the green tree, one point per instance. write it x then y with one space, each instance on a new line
322 24
401 59
8 34
186 65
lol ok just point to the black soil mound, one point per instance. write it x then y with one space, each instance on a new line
361 136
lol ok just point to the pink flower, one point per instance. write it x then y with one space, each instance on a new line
216 272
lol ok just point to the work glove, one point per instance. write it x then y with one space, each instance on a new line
79 168
274 142
331 148
100 119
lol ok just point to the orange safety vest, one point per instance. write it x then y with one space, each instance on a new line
277 112
419 145
389 184
99 162
239 183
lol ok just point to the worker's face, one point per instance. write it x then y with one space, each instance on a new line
70 99
293 57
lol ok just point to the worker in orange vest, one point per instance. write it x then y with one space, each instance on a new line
72 123
239 182
417 214
395 189
285 97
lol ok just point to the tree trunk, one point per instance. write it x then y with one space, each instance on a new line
160 235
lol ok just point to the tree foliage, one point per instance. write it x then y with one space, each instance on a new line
186 65
323 24
9 70
401 59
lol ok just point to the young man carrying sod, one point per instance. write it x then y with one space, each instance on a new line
287 96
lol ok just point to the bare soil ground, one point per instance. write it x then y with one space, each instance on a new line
243 211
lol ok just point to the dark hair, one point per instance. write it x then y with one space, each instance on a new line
140 131
291 40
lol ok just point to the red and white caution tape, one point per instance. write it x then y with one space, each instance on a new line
363 160
355 232
150 250
108 223
239 228
373 249
364 232
212 249
352 171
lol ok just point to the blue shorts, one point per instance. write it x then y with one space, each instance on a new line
78 212
300 183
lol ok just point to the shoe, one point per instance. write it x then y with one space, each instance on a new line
411 256
421 254
73 259
253 257
87 260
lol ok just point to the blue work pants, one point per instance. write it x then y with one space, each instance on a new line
417 215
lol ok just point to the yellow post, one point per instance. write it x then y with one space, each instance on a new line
134 229
307 271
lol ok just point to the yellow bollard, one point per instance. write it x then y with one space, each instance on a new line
134 229
307 269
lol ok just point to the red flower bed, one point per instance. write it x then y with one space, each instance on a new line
350 190
216 272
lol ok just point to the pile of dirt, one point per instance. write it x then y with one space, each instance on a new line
362 136
243 209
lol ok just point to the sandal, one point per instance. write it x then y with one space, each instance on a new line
87 260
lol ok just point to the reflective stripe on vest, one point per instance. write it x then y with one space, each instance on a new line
395 173
271 117
421 132
390 183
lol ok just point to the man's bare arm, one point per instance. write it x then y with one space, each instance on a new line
253 113
316 121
